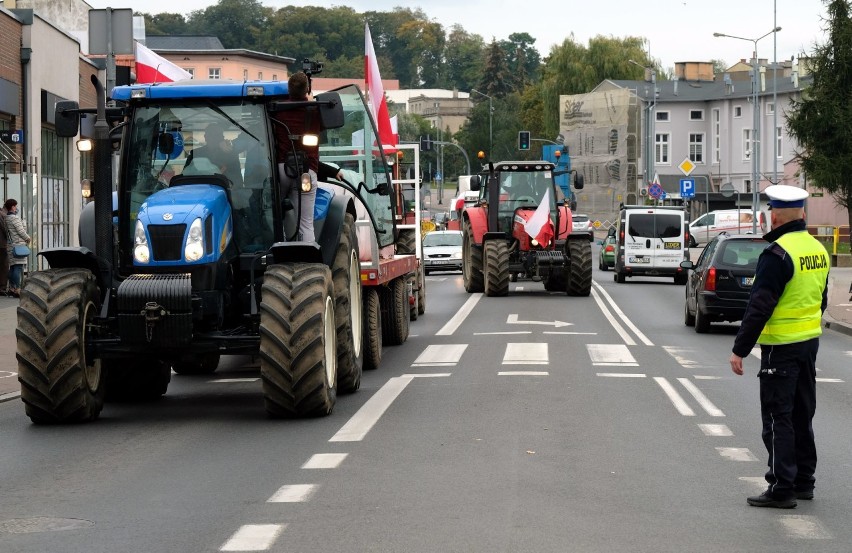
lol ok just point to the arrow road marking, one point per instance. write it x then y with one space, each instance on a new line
513 320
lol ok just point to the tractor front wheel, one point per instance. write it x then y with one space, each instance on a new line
497 268
471 262
580 269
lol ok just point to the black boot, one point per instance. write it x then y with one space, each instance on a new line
766 500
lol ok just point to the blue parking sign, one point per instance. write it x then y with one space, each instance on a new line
687 188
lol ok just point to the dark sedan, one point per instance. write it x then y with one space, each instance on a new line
720 281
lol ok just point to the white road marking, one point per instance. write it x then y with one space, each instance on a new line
523 373
455 322
618 328
715 430
737 453
293 493
534 353
325 461
253 537
512 319
804 527
611 355
828 380
519 288
758 482
502 333
702 400
700 377
680 355
233 380
675 398
622 375
571 333
9 396
644 339
444 355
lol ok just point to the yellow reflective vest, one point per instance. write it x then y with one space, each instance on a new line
798 315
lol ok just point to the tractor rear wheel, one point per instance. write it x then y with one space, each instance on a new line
346 275
393 300
140 378
471 262
59 383
298 341
580 268
372 330
497 268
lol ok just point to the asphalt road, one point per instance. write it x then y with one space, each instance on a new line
494 428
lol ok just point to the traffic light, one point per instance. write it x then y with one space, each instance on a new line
523 140
425 143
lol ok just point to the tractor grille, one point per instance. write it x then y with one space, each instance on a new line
166 241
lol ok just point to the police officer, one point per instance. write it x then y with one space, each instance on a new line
784 315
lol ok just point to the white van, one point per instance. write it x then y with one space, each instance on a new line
651 242
733 221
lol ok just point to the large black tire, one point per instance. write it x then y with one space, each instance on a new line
140 378
619 277
393 300
580 267
680 280
406 241
421 296
555 281
702 322
496 268
346 275
688 317
372 330
58 382
204 363
471 262
298 341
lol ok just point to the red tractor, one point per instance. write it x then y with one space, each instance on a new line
521 227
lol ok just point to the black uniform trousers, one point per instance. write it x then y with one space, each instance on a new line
787 406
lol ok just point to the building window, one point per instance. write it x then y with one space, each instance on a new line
214 73
260 75
661 154
274 77
191 71
747 186
662 116
717 135
778 153
696 115
770 108
696 147
746 144
245 74
738 111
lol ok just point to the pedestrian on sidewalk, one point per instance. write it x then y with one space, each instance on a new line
4 254
17 236
784 315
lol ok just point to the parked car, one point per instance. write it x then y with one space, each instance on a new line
442 251
580 222
719 283
732 221
606 256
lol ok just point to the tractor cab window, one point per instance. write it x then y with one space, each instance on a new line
523 189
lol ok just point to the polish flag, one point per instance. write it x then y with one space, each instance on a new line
539 226
151 68
376 93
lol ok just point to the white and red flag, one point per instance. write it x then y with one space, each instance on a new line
376 92
539 226
152 68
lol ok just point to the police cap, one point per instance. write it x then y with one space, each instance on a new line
782 196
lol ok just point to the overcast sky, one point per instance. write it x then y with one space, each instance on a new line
677 30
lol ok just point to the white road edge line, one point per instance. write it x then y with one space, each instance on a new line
675 397
702 400
253 537
454 323
624 318
618 328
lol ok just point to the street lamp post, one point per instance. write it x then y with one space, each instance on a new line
650 122
490 122
755 148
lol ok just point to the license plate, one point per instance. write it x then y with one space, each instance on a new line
748 281
640 260
440 262
672 245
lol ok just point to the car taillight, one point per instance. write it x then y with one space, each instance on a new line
609 248
710 280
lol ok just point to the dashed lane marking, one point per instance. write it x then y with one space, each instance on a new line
523 373
757 482
571 333
611 355
622 375
702 400
455 322
715 430
534 353
674 397
737 453
830 380
444 355
253 537
293 493
804 527
325 461
703 377
502 333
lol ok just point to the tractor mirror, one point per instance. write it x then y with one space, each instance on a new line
578 181
331 110
67 118
474 183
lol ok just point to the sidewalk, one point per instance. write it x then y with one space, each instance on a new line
837 317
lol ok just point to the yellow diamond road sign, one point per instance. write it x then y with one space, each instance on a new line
686 167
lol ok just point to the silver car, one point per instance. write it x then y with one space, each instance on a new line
580 222
442 251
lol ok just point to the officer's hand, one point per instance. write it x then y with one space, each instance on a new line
737 364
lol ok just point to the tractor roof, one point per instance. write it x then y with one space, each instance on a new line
524 166
179 90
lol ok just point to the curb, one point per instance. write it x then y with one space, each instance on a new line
10 396
832 324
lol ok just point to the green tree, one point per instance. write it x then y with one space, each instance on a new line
821 121
465 55
496 77
165 24
523 59
236 23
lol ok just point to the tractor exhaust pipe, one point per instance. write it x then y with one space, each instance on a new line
103 185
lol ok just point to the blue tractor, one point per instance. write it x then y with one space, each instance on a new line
184 257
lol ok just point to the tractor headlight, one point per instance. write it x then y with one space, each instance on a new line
194 248
141 252
534 242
